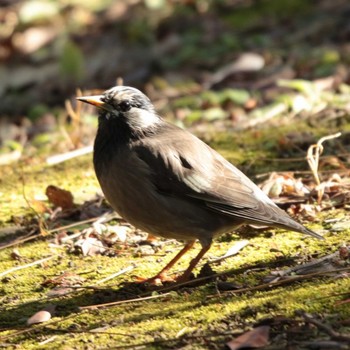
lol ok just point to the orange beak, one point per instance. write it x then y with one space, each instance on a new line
96 101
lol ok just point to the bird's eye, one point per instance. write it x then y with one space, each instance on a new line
124 106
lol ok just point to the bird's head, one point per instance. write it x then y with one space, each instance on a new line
127 104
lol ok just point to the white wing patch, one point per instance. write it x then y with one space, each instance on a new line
197 182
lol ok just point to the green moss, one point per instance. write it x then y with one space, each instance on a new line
189 312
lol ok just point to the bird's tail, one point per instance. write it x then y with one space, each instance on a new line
311 233
295 226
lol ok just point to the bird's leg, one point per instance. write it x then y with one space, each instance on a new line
162 275
186 275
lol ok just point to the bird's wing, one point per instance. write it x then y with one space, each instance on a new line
186 167
183 166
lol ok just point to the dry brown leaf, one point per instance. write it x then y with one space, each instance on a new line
256 338
284 184
59 197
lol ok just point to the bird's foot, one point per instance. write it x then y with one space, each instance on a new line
156 280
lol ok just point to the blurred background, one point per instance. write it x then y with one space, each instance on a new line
264 82
209 65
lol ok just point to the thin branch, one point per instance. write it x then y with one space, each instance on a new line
121 272
254 288
313 158
48 340
121 302
58 229
303 172
59 158
37 262
331 332
40 221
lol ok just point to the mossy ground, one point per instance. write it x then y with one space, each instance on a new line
297 40
197 317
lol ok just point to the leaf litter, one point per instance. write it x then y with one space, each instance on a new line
311 98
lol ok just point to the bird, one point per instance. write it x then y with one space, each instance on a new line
164 180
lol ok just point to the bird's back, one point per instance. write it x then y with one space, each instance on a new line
172 184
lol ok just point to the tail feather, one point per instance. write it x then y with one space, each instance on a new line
295 226
311 233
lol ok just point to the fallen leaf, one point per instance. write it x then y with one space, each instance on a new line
256 338
118 233
59 197
90 246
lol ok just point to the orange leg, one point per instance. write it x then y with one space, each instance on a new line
162 275
186 275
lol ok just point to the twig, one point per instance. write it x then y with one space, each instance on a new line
121 272
120 302
62 228
254 288
231 252
332 333
34 328
41 223
303 172
299 268
313 158
59 158
48 340
37 262
90 331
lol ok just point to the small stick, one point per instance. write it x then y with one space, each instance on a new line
37 262
313 158
120 302
254 288
58 229
331 332
121 272
59 158
49 340
232 251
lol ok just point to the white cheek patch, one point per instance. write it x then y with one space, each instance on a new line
142 118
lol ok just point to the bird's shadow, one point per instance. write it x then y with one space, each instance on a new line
85 299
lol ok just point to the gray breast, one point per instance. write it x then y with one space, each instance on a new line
126 184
